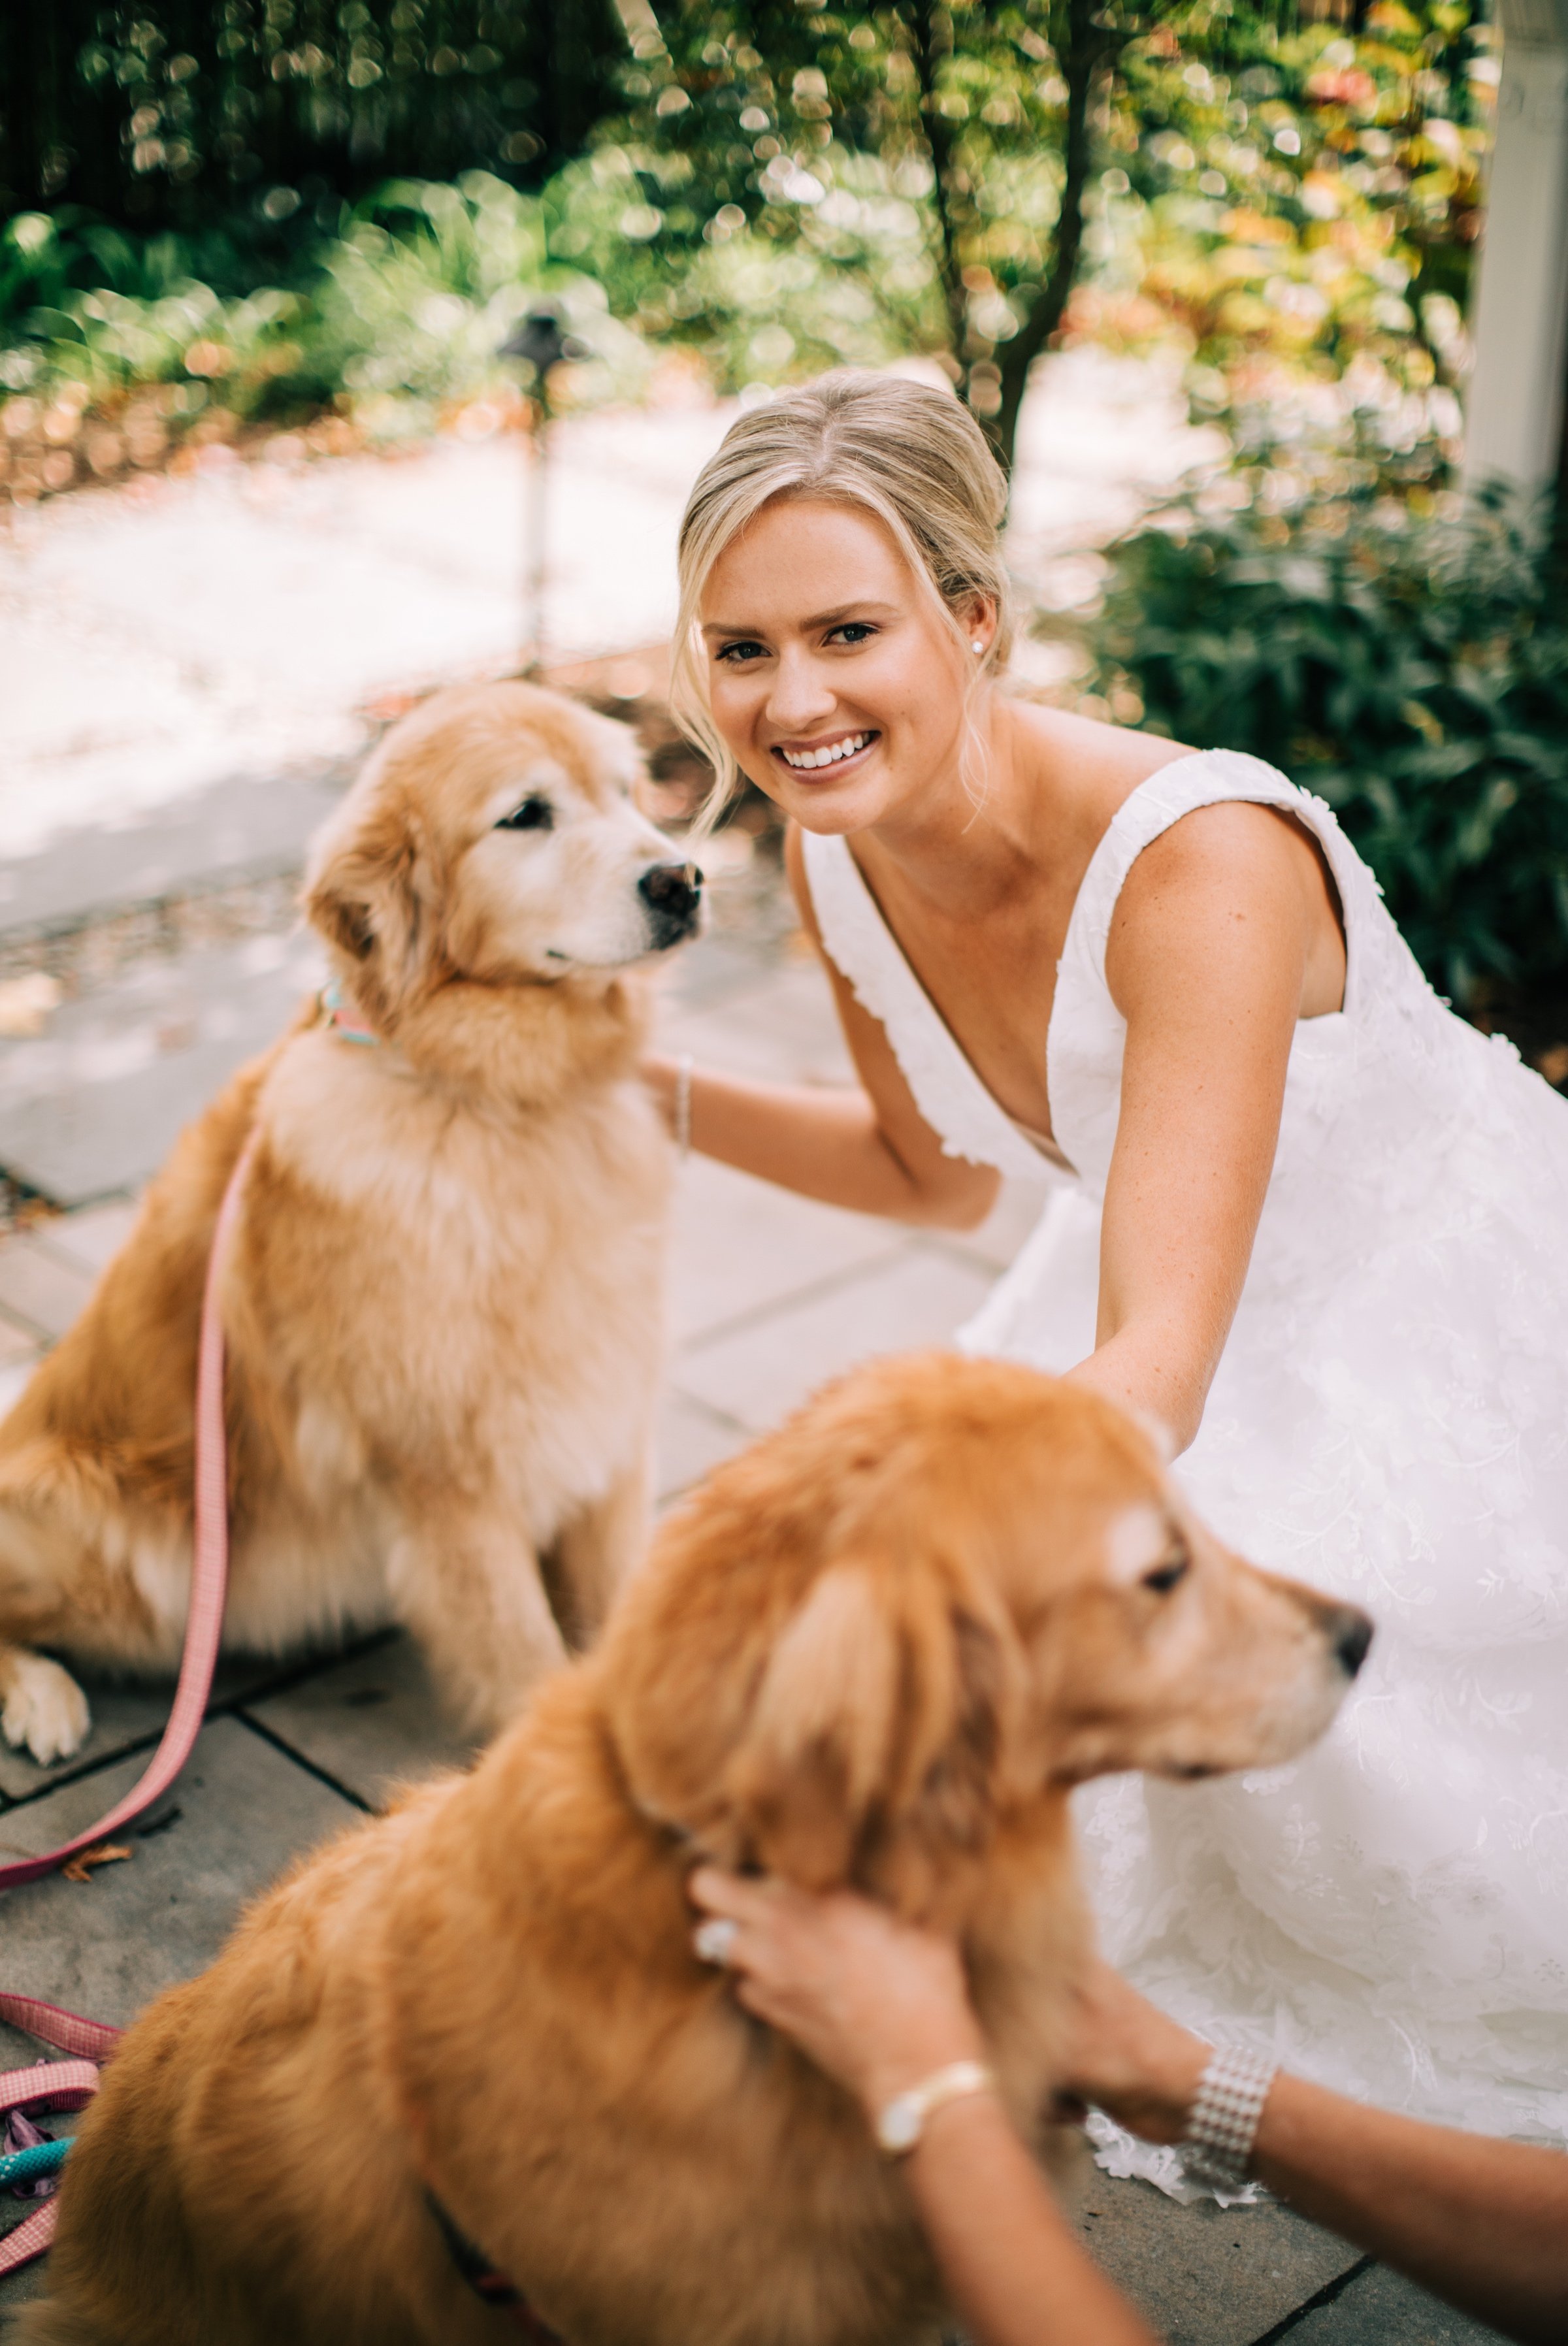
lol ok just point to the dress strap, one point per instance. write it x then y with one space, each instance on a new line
946 1089
1204 777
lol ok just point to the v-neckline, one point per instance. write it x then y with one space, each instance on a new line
1047 1147
1045 1144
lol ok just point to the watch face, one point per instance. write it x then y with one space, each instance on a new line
900 2126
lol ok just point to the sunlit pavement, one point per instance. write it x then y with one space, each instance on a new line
236 625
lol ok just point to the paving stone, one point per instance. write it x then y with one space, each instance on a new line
757 1372
123 1715
108 1945
371 1722
716 968
38 1288
91 1237
1207 2276
127 1713
1379 2308
1011 1220
691 1439
17 1344
737 1244
774 1024
94 1107
229 831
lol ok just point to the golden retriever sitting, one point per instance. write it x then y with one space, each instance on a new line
443 1307
879 1648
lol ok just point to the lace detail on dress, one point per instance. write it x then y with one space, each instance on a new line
947 1091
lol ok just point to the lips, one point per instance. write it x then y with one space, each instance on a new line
831 753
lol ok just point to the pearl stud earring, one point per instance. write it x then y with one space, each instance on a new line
977 646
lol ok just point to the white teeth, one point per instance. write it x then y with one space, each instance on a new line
804 760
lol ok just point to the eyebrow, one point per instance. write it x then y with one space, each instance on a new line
816 619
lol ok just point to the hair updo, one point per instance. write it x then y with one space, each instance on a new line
912 456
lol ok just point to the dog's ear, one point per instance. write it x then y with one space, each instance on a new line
363 894
878 1720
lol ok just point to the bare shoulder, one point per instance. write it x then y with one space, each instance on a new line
1226 889
1232 845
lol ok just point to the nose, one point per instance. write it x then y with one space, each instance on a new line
1349 1633
799 698
673 895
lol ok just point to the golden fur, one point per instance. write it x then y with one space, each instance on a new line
443 1308
879 1649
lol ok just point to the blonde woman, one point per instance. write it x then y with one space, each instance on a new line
1303 1215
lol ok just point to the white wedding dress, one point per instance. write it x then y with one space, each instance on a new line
1389 1421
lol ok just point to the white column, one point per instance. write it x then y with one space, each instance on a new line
1520 315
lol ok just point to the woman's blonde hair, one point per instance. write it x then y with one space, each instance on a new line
912 456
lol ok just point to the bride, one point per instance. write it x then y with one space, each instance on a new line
1301 1213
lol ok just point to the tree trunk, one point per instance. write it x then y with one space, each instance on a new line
1082 48
939 141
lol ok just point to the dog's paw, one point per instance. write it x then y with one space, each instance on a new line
44 1709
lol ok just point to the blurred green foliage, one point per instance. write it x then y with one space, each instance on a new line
1306 219
173 113
1287 198
783 190
934 153
1413 673
394 328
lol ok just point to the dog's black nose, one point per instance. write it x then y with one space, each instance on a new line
1352 1633
673 895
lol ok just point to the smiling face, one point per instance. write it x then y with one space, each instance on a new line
494 837
830 675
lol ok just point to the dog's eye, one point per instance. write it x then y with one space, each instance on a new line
1165 1577
534 814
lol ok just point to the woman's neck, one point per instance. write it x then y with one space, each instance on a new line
968 850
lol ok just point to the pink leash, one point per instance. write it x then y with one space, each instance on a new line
49 2086
69 2085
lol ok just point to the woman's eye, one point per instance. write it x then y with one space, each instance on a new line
733 654
534 814
853 631
1165 1577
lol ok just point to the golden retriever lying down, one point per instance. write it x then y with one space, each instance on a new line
443 1307
879 1648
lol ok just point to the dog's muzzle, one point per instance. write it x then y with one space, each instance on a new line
1351 1635
673 895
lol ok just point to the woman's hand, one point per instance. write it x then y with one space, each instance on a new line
1130 2059
876 2004
881 2006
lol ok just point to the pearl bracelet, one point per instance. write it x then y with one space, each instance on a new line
1222 2124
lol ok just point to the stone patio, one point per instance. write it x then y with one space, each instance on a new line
770 1294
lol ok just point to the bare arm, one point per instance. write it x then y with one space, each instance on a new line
1012 2266
880 2007
1208 962
1480 2222
869 1148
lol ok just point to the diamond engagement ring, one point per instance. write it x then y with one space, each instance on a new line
713 1939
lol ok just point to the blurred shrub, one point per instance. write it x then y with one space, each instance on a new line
1415 675
1283 198
171 112
394 331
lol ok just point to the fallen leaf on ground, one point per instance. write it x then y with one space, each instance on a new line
104 1853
